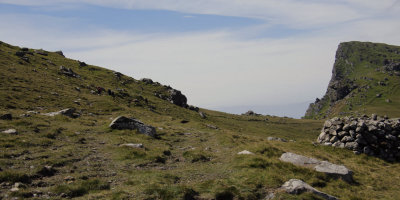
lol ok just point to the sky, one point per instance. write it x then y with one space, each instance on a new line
272 56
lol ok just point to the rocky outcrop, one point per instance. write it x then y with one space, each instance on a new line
251 113
338 171
122 122
339 86
374 136
296 186
68 72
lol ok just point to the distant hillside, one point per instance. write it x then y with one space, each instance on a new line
365 79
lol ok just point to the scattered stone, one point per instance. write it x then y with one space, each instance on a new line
379 95
296 186
299 159
194 108
11 131
276 139
245 152
122 122
70 112
251 113
388 101
147 80
41 52
211 126
68 72
131 145
7 116
334 170
202 115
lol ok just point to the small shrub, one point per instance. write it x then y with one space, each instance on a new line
82 188
13 177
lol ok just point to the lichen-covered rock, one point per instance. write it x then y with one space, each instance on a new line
122 122
334 170
296 186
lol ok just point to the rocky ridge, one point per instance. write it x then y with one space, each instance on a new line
362 71
374 136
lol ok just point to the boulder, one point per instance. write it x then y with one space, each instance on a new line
177 98
334 170
299 159
296 186
122 122
339 171
147 80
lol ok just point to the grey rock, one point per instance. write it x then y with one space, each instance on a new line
298 159
177 98
346 127
276 139
131 145
328 124
327 144
68 72
347 139
10 131
339 171
70 112
296 186
334 139
147 80
352 145
122 122
245 152
202 115
341 134
60 53
374 117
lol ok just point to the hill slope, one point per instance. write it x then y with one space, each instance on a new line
192 157
365 80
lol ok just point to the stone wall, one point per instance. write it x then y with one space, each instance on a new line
374 136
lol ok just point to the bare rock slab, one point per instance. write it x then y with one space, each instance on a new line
122 122
339 171
245 152
296 186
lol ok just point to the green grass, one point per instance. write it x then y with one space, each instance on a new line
188 159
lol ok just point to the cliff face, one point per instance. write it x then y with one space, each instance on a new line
357 71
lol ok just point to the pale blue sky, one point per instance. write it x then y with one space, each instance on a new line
223 54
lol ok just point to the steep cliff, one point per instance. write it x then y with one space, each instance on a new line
365 79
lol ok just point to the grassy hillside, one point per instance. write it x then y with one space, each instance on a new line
361 82
193 160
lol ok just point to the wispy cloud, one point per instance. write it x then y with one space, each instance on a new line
219 67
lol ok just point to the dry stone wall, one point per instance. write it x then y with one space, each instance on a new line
374 136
